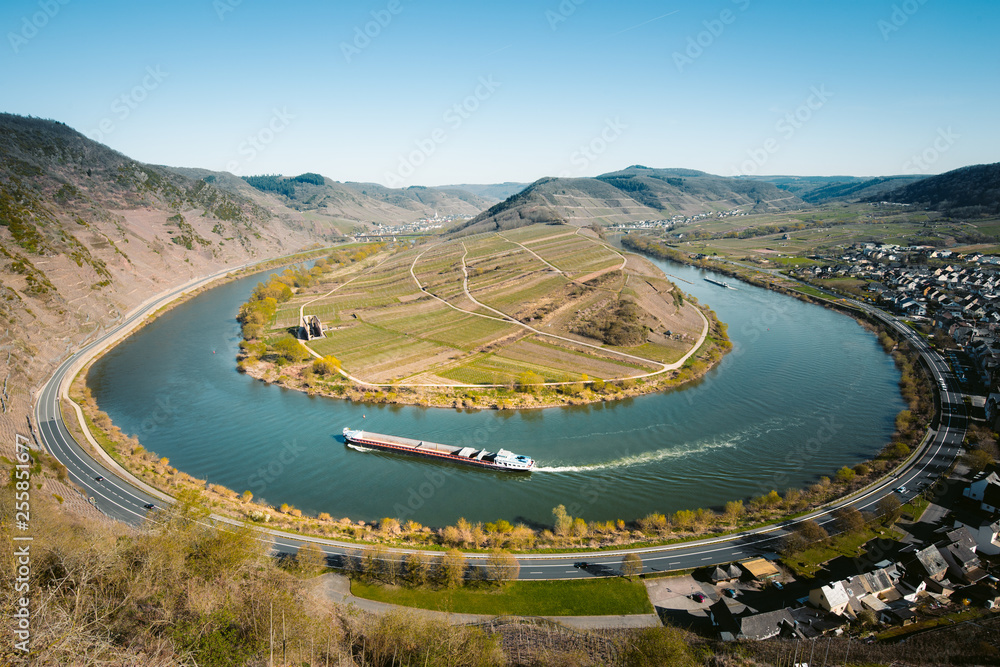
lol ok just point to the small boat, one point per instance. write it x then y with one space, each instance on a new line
501 460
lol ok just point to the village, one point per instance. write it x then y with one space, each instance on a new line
930 571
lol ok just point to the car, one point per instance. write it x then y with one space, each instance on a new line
698 597
582 565
729 592
900 489
99 478
779 585
150 506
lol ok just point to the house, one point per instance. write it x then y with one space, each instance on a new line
928 562
963 563
985 490
897 616
832 598
812 623
761 569
985 532
741 622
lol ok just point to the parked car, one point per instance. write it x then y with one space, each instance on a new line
698 597
779 585
729 592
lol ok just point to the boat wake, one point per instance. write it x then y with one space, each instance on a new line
641 459
730 442
359 448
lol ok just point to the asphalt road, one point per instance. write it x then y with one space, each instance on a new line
123 499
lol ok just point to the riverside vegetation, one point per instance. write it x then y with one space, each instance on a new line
536 317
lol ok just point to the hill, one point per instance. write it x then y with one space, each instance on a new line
351 204
636 193
87 234
822 189
969 192
495 192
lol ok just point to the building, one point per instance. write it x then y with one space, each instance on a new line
832 598
736 621
761 569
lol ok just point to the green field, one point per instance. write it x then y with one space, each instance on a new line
405 313
598 597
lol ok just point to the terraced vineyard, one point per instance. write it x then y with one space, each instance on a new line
494 309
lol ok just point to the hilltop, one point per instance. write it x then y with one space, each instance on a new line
635 193
350 205
970 192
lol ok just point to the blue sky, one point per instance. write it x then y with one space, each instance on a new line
458 92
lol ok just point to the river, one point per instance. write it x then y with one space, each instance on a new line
804 391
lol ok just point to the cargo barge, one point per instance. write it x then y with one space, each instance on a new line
501 460
720 283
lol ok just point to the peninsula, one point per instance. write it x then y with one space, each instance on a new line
534 317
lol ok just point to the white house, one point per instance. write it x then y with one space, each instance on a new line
832 598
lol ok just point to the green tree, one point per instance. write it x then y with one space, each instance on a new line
328 365
845 475
290 349
734 511
529 382
563 521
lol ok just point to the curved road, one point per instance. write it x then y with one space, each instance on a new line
121 496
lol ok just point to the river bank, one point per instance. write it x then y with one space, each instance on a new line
702 358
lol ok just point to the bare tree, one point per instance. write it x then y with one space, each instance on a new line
502 566
631 565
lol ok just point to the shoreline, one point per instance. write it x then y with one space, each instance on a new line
701 359
630 533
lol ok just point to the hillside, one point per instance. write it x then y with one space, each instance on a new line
636 193
495 192
350 204
87 233
822 189
969 192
